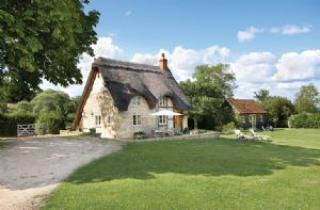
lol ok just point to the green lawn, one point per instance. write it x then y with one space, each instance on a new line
201 174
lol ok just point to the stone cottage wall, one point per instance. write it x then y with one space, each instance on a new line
126 128
100 103
115 124
90 109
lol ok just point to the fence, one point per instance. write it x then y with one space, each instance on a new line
26 130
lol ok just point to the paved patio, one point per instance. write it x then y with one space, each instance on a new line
31 168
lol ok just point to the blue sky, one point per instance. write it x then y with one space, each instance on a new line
268 44
152 25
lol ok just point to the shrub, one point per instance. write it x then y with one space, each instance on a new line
229 128
3 107
9 122
139 135
53 122
23 107
70 117
305 120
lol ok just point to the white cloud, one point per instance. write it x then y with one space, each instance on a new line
248 34
104 47
282 75
298 66
255 67
128 13
291 29
183 60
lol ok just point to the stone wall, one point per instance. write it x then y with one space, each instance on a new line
148 123
100 103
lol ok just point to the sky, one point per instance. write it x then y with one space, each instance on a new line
272 44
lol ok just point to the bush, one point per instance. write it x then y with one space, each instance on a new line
52 121
229 128
70 117
3 107
23 107
139 135
9 122
305 120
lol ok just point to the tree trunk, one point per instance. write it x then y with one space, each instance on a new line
195 123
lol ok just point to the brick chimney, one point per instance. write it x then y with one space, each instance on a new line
163 63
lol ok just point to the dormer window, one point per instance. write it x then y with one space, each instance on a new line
136 100
163 102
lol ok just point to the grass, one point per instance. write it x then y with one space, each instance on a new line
201 174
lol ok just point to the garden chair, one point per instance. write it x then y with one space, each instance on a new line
255 135
239 134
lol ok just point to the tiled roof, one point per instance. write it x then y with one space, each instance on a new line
246 106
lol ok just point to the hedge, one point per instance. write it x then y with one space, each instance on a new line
8 122
305 120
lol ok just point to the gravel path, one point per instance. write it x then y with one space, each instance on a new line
30 169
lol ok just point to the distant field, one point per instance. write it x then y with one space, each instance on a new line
201 174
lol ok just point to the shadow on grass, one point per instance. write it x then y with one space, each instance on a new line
198 157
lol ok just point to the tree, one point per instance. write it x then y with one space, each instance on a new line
43 40
51 105
262 95
207 92
279 109
24 107
3 102
307 99
51 100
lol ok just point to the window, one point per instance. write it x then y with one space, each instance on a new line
98 120
136 100
136 119
243 119
163 102
261 118
109 119
162 120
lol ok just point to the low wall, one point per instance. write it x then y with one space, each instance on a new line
207 135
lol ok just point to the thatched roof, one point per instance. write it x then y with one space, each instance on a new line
126 80
246 106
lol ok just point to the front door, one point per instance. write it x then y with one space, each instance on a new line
178 122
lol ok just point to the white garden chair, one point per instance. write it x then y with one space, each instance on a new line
255 135
239 134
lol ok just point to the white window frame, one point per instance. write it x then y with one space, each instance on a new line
261 118
109 119
243 119
136 120
98 120
163 120
163 102
136 100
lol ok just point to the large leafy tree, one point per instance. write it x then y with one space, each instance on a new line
43 40
307 99
279 109
207 91
51 108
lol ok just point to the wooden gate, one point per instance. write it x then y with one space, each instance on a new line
26 130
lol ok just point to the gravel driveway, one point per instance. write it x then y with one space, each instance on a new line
32 168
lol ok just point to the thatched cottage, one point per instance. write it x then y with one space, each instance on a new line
119 98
